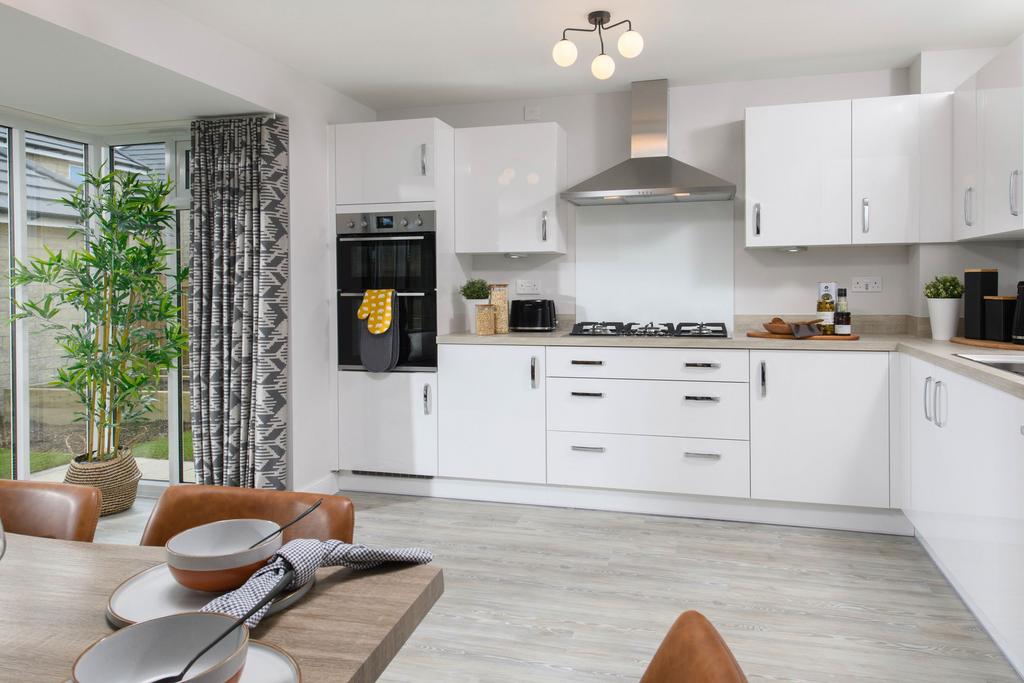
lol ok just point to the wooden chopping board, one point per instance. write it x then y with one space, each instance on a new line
987 344
817 337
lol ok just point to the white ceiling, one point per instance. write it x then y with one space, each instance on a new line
53 72
394 53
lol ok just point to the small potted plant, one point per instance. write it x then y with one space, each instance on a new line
944 294
475 291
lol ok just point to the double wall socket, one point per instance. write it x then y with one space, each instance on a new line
866 283
527 287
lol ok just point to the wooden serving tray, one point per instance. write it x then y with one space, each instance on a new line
988 344
817 337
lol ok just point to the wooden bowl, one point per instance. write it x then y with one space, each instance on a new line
161 647
216 557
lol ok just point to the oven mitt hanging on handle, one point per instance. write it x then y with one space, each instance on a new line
376 309
379 352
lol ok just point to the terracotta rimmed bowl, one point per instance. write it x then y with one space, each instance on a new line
216 557
153 649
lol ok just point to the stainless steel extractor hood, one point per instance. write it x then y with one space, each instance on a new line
650 175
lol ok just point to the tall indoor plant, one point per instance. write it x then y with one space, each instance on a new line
127 331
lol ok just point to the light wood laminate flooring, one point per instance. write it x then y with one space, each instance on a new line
552 594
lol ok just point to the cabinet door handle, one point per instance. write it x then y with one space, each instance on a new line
757 218
702 456
1012 192
704 399
533 372
968 195
426 399
423 159
588 449
544 226
764 379
588 394
927 390
865 215
938 405
586 362
702 365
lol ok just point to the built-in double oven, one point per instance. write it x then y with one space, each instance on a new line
389 250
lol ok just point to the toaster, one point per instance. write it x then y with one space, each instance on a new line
532 315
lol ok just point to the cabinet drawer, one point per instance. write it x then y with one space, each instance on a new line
725 365
707 410
650 463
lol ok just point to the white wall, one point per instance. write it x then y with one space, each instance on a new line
155 32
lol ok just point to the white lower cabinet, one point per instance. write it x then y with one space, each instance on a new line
650 463
491 412
388 422
819 427
966 498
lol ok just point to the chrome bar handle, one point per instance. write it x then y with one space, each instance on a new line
426 399
764 379
588 449
702 365
544 226
588 394
927 390
1012 193
586 362
703 456
704 399
423 159
968 195
757 218
533 372
865 215
937 405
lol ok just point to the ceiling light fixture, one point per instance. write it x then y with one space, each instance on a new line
630 45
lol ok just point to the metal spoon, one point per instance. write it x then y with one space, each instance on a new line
279 529
286 579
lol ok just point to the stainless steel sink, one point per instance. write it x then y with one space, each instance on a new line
1010 362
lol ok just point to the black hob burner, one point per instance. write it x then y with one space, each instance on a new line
651 329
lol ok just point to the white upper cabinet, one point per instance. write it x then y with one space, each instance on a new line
507 182
886 170
967 205
798 174
386 162
1000 121
819 427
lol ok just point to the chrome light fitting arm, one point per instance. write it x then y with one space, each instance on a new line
630 44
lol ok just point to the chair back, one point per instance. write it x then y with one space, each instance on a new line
191 505
50 509
693 652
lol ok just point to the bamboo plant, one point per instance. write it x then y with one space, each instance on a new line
128 331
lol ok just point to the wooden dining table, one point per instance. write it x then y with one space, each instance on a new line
53 601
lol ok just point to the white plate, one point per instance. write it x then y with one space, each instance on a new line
268 664
154 593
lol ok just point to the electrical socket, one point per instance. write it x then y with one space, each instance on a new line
866 283
531 112
527 287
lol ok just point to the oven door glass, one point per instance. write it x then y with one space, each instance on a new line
403 262
417 328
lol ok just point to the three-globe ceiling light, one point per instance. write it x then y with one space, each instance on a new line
630 45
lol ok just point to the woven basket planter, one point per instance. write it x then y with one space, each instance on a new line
117 479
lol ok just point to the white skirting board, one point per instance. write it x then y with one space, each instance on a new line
673 505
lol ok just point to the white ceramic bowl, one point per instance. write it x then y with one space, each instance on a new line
216 557
162 647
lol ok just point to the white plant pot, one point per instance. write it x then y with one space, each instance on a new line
944 315
471 313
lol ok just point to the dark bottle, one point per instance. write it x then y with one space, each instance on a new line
1018 315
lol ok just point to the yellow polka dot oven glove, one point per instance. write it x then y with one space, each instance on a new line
376 310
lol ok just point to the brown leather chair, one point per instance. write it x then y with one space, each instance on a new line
693 652
190 505
49 509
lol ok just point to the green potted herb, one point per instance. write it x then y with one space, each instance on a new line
944 294
475 291
127 331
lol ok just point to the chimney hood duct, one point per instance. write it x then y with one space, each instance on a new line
650 175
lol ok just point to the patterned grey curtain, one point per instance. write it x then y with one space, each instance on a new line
238 301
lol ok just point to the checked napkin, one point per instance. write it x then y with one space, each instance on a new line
305 556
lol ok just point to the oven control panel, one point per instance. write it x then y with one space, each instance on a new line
385 222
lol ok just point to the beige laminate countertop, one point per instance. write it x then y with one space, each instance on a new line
942 354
